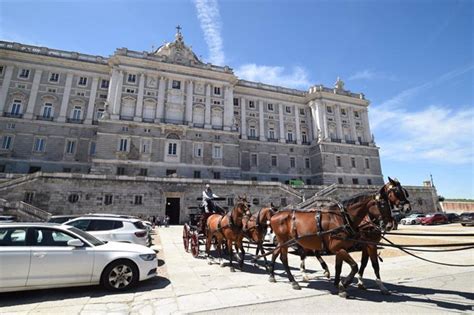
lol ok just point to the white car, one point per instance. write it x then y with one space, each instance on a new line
45 255
114 229
413 219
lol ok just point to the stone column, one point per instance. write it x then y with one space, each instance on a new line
160 104
207 112
315 120
337 115
5 86
112 88
282 123
243 118
325 130
352 125
365 121
65 100
261 121
91 105
33 95
189 103
141 92
298 128
117 99
228 107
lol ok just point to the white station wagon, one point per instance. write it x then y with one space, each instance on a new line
44 255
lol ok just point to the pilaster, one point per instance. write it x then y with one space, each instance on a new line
297 123
207 112
141 92
243 118
337 115
65 100
282 123
33 95
189 102
117 100
5 86
160 104
91 105
228 107
261 121
352 125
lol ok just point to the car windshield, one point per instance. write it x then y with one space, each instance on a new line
91 239
429 215
412 216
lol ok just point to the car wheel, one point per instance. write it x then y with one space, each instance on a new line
463 224
120 275
413 222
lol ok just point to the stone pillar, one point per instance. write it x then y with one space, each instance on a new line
189 103
282 123
160 104
33 95
5 86
261 121
141 92
207 112
91 105
315 121
365 121
65 100
325 130
337 114
112 88
243 118
298 128
228 107
352 125
117 99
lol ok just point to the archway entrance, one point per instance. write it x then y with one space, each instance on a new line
173 209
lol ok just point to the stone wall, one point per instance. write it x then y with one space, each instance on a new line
457 206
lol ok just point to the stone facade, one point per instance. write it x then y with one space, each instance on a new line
166 113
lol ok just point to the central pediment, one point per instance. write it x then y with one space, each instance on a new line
177 51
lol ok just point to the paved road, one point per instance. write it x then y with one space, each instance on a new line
189 285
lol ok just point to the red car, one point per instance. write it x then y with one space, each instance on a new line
434 218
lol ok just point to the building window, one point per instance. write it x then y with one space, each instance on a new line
47 110
123 145
197 174
11 126
369 181
230 201
236 101
329 109
132 78
70 146
340 181
251 104
343 112
253 159
292 162
304 137
270 107
217 90
338 161
271 133
217 152
176 84
82 81
198 149
143 172
92 148
24 73
146 146
67 170
120 170
104 84
16 108
353 162
172 148
217 175
302 112
367 165
138 200
288 109
53 77
100 113
356 114
252 132
7 142
77 113
73 198
306 163
29 196
39 145
274 160
355 181
108 199
130 91
290 136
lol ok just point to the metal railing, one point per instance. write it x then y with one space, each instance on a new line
123 117
12 115
291 141
46 118
74 121
272 139
252 138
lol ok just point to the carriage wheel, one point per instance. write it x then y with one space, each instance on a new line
194 244
186 237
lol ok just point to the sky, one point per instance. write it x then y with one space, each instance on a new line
413 59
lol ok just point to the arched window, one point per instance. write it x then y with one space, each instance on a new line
16 107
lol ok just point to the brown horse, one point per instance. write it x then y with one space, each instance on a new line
326 228
256 226
230 228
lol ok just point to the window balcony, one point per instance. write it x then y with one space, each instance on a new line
272 139
198 125
74 121
148 120
175 121
12 115
350 142
217 127
305 143
291 141
364 143
253 138
46 118
123 117
336 140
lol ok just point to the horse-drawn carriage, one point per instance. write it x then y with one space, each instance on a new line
194 231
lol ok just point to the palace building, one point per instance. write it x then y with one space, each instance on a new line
165 113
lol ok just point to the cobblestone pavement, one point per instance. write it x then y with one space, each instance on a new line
189 285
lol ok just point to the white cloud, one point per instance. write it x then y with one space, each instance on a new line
368 74
210 21
296 77
436 133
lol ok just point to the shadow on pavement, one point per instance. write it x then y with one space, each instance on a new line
49 295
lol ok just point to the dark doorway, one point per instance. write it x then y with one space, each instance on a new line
34 169
172 210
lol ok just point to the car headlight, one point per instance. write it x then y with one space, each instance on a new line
148 257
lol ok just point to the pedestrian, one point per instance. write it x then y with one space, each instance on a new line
167 221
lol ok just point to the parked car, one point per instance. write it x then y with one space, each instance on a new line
452 217
113 229
414 218
44 255
61 218
7 218
466 218
434 218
